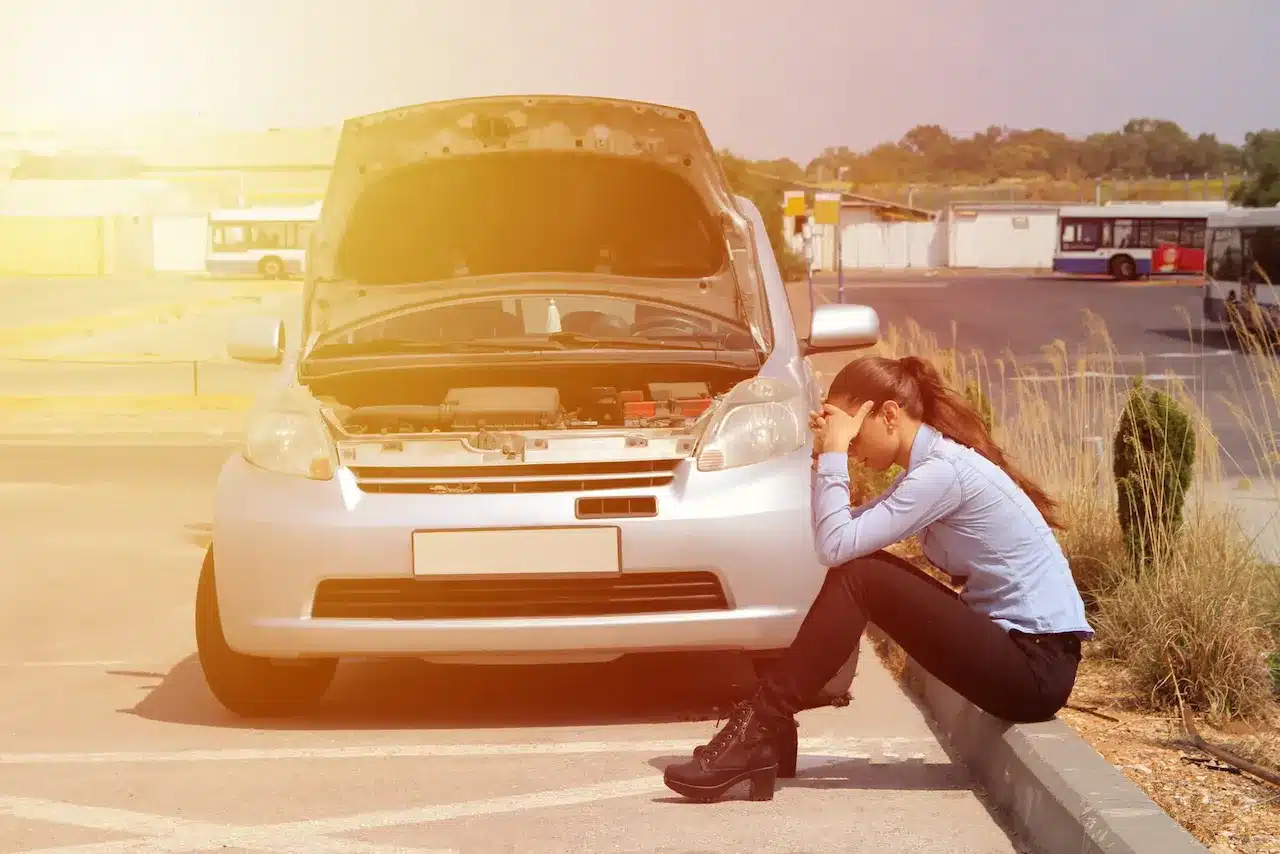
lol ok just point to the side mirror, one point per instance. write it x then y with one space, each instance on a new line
839 327
257 339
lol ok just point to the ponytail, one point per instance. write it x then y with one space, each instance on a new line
915 385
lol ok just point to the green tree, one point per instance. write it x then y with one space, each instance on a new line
765 192
1261 157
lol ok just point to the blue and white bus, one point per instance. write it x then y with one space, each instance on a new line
269 242
1132 239
1243 266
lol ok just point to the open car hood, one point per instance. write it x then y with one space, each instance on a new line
442 200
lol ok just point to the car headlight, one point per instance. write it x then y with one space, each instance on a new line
760 419
290 441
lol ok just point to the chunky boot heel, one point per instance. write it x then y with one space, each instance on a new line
763 784
787 746
745 750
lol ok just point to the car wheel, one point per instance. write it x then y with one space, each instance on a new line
271 268
247 685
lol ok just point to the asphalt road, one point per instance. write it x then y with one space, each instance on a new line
110 741
1154 330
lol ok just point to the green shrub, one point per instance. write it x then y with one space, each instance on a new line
1154 452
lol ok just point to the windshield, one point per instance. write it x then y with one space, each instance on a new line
616 322
529 212
1245 254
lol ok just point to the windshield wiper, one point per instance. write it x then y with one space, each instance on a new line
397 347
577 339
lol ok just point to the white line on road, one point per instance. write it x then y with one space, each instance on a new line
182 836
7 665
1189 355
833 746
1053 378
168 834
485 806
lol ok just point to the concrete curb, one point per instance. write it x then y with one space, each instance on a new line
1060 793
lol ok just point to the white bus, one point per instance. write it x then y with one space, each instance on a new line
269 242
1129 240
1243 264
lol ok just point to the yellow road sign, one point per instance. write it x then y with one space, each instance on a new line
826 208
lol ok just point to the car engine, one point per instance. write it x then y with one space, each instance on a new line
659 404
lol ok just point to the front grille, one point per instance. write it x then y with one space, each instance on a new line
513 597
517 478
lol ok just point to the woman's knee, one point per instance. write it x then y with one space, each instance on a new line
864 573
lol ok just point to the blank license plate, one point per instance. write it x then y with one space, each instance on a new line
518 551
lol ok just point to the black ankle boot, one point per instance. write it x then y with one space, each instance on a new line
786 744
745 749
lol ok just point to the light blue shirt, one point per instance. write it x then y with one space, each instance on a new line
971 520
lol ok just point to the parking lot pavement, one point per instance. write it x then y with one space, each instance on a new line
111 742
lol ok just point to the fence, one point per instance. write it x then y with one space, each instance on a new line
1172 188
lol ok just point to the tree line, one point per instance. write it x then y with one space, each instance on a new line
930 154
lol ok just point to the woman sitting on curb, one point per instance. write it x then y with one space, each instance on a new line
1009 642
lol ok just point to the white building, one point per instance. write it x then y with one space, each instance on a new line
1001 235
51 227
874 234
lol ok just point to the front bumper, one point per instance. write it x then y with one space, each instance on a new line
277 538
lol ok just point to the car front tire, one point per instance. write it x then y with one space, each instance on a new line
247 685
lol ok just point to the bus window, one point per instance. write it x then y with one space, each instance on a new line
1166 231
1080 235
1263 256
1192 234
1225 255
1145 239
1124 237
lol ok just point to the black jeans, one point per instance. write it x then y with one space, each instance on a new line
1014 676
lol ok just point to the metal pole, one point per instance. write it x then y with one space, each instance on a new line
839 254
808 264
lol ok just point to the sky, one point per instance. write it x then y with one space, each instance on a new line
768 79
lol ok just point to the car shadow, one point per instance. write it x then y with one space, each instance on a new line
410 694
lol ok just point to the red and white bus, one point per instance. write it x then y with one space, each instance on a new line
1133 239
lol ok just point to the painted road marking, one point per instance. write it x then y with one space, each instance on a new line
1099 375
170 834
8 665
167 834
849 747
113 403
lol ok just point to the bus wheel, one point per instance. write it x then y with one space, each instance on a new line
271 268
1122 267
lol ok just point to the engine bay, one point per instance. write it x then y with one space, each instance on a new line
525 399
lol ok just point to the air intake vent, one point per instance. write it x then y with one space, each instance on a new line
617 507
517 597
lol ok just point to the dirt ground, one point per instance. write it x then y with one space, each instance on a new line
1227 810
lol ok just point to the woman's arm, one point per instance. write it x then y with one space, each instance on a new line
915 499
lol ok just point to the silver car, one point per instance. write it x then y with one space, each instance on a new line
549 404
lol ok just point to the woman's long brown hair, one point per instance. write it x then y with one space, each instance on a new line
921 392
